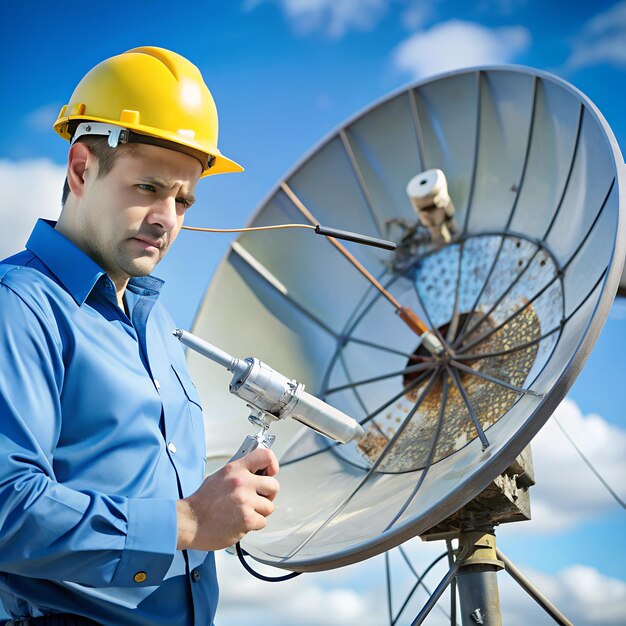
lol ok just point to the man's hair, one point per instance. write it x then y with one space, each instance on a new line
99 146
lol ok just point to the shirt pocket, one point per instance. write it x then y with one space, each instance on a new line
193 404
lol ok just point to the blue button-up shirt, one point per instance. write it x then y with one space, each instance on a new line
101 431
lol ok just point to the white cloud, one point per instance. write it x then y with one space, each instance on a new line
334 17
603 40
30 189
500 7
567 493
612 19
44 117
417 14
357 594
456 44
583 594
332 598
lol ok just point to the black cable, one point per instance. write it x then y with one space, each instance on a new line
319 229
268 579
417 584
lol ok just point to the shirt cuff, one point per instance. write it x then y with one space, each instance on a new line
150 543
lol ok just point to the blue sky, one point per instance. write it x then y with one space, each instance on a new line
284 73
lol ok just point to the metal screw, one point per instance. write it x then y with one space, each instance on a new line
477 616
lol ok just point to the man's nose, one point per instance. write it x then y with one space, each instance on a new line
163 213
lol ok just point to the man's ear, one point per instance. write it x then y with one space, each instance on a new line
80 161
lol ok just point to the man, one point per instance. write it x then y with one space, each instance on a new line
104 515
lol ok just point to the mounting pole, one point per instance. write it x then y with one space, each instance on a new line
477 580
478 561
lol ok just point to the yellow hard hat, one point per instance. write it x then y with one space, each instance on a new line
148 95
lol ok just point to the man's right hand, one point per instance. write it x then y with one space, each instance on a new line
229 504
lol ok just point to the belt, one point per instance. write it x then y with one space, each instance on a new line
53 619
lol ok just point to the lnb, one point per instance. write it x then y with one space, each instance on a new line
428 192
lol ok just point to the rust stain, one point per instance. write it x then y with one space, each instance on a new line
490 401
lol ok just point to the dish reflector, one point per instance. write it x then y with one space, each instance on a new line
521 293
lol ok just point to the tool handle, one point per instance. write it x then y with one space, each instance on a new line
251 443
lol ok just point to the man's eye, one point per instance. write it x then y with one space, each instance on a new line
147 187
184 202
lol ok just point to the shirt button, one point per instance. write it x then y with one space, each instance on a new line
171 447
140 577
195 574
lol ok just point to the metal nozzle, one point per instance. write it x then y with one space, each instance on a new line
272 396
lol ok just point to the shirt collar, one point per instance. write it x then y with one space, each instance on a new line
74 269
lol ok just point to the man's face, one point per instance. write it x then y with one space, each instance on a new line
130 217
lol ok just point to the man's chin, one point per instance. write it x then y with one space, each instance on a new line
140 265
135 270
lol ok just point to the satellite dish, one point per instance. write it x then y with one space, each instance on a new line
520 290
